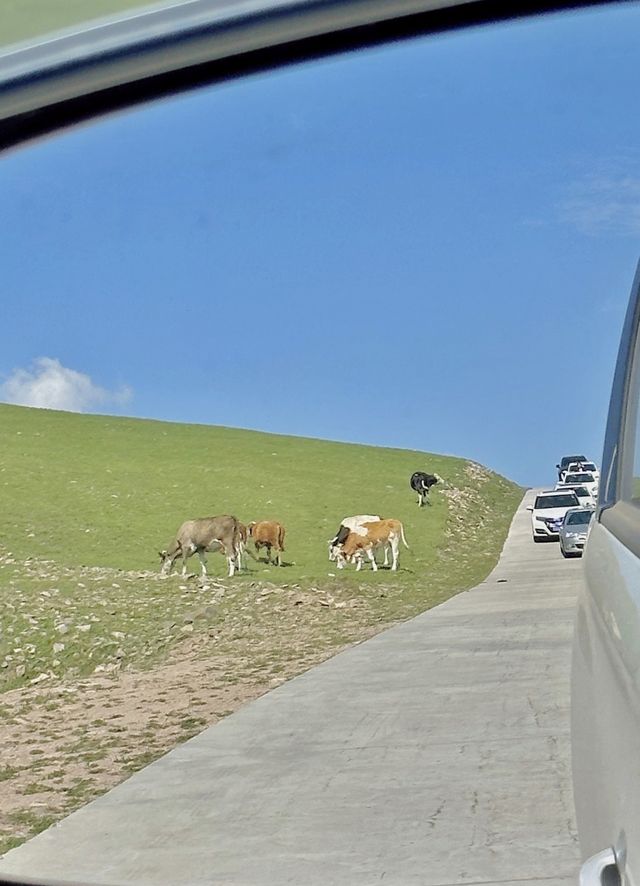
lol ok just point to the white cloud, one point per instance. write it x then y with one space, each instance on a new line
50 385
603 203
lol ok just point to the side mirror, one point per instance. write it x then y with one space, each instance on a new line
558 467
529 507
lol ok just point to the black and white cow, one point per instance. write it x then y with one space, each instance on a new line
422 483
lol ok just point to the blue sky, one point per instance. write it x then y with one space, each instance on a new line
428 245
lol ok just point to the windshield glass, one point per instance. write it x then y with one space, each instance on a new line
580 478
556 501
582 518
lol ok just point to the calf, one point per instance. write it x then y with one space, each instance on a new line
268 534
353 524
379 533
422 483
198 536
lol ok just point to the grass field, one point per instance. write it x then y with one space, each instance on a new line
88 625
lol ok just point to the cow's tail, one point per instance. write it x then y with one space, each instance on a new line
404 541
281 538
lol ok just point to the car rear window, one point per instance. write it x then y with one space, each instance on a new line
569 500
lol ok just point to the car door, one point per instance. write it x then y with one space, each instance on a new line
606 656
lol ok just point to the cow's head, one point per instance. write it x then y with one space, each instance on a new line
334 551
165 562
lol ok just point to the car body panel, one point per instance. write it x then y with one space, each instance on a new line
605 680
605 709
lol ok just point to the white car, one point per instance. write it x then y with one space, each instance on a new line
587 500
589 466
581 478
548 510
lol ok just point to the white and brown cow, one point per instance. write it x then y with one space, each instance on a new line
378 534
201 535
268 534
353 524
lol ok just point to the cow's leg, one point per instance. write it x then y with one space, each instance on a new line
231 561
203 562
395 545
372 558
419 499
279 557
386 555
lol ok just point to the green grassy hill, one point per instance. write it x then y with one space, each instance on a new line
86 501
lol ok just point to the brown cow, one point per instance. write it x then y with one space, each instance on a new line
268 534
378 534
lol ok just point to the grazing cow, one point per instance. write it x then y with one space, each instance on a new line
353 524
268 534
378 534
198 536
422 483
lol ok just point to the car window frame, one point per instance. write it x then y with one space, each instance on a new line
616 511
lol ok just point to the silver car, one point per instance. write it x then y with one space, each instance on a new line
573 532
605 680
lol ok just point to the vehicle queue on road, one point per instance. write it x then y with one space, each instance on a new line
564 513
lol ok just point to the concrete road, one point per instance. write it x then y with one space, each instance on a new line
435 753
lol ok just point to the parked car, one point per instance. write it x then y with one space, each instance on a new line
587 500
565 461
573 532
548 510
582 478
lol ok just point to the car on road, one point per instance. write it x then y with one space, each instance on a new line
574 530
582 478
548 510
565 461
589 466
587 500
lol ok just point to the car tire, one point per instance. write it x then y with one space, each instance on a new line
563 552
